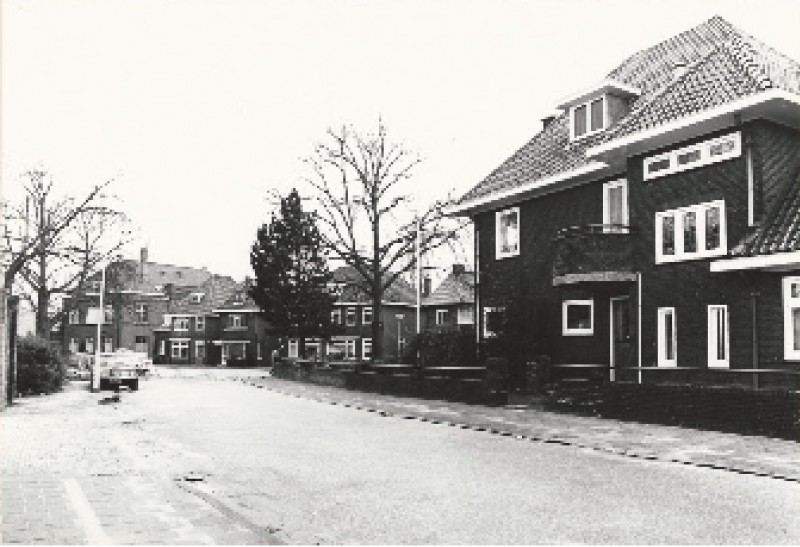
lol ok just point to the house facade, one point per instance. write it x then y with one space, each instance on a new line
451 307
649 232
352 318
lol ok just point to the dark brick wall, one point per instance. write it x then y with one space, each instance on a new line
776 160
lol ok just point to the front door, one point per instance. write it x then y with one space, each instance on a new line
621 351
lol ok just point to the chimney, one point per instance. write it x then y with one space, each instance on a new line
459 269
142 260
426 286
547 120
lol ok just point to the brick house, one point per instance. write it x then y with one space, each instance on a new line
649 231
452 305
138 295
352 319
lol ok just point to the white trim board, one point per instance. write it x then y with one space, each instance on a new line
778 261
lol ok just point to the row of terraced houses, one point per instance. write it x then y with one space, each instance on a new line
183 315
650 229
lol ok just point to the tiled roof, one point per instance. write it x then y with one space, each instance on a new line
216 291
722 64
780 230
457 288
153 277
354 289
239 299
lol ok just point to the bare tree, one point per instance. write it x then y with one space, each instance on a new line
363 205
56 242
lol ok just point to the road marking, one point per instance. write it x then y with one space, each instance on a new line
95 535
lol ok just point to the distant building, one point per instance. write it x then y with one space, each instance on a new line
452 305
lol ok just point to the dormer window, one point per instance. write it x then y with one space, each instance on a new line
197 297
588 118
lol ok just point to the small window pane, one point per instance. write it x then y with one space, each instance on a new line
659 165
616 205
689 157
668 235
796 328
795 290
712 228
721 147
579 316
580 120
509 232
690 232
597 114
669 349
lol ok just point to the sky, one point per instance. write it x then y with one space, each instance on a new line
198 108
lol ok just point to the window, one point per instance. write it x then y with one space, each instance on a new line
180 323
718 337
200 323
162 348
108 315
235 321
350 349
366 348
588 118
507 232
351 317
336 316
197 297
691 157
74 317
667 338
493 318
366 315
258 350
466 316
577 317
791 318
141 312
73 345
615 206
200 349
90 345
141 344
108 345
691 232
441 317
294 349
180 349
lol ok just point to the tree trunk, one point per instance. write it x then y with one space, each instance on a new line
42 318
377 293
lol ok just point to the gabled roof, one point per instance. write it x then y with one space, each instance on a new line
722 64
779 232
353 288
457 288
238 299
216 291
151 277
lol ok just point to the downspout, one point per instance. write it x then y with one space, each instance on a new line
754 297
477 289
639 324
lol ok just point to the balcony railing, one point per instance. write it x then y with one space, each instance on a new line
593 252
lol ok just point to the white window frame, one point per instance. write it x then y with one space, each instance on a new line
441 317
607 187
180 324
566 330
466 316
790 303
366 343
485 312
498 226
751 189
197 345
700 213
293 348
89 345
366 315
259 355
141 312
235 321
108 344
74 345
200 323
705 156
176 346
661 348
713 336
336 316
350 349
162 347
589 131
74 317
351 312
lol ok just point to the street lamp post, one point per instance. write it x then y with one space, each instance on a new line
100 321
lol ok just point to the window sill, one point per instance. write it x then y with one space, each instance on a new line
578 333
671 259
501 256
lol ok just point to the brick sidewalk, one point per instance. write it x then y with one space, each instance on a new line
774 458
72 475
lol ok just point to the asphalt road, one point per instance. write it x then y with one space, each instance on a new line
311 472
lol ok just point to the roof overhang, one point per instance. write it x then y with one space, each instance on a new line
774 104
778 262
559 181
606 86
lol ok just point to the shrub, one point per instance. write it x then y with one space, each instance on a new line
442 349
40 366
